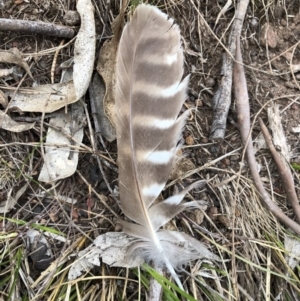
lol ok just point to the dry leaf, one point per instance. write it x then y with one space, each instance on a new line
85 45
45 98
10 203
8 124
106 67
292 245
102 124
111 247
59 162
14 56
6 72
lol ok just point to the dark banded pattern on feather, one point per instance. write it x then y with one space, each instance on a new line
150 92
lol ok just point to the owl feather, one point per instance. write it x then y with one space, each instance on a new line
150 92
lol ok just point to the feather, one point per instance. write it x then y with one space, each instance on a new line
150 92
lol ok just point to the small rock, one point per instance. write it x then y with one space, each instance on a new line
209 82
223 219
289 85
189 140
254 22
213 213
72 18
268 36
237 212
226 162
283 23
199 103
199 216
297 18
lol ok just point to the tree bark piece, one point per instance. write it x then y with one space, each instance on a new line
284 171
243 111
32 27
222 97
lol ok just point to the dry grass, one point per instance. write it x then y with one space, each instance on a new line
244 234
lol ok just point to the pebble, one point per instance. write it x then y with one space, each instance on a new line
289 85
268 36
189 140
72 18
210 82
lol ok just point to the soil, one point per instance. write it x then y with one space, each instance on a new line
270 46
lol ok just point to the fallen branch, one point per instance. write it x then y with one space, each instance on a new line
284 171
32 27
222 97
243 112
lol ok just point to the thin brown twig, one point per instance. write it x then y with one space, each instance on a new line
33 27
284 171
243 111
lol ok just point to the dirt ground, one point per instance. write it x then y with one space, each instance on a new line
259 269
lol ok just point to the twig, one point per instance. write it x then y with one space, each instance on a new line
284 171
222 97
243 112
32 27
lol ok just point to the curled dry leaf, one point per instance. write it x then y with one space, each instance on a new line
8 124
85 45
61 162
106 68
45 98
14 56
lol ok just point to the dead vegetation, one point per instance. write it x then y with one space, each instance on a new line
44 227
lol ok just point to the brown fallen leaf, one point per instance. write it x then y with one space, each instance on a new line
102 123
106 67
14 56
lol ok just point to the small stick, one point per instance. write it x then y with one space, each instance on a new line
243 112
222 97
55 60
284 171
33 27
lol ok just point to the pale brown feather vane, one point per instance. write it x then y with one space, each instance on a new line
149 95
